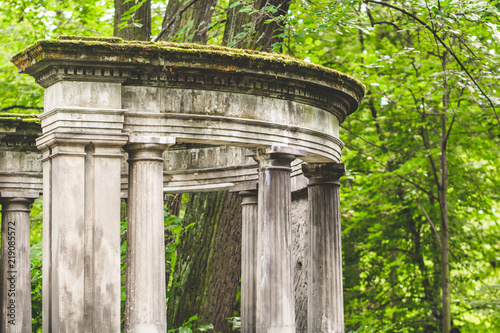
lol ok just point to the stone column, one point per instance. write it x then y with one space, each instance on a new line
15 275
248 191
275 293
81 232
326 300
145 309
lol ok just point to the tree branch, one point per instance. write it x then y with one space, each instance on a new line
430 222
374 23
427 145
426 26
395 174
445 139
360 137
430 194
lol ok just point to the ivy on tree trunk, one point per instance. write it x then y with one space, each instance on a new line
208 268
138 26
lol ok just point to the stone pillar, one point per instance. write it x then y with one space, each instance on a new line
275 293
81 232
326 300
145 309
248 191
15 274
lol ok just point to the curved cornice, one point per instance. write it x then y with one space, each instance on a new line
191 66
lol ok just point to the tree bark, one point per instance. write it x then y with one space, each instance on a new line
300 263
195 19
142 16
235 23
259 35
208 267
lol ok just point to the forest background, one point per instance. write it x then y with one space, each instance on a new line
420 201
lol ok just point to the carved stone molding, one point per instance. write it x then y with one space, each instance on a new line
191 67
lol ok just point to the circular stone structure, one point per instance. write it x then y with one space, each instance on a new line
213 100
190 118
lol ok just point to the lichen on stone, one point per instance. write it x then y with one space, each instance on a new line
225 58
12 117
92 38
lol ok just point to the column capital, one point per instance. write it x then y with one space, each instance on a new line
54 139
277 157
248 191
16 204
142 148
323 173
30 195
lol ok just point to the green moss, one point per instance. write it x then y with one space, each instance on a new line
25 118
219 57
32 120
91 38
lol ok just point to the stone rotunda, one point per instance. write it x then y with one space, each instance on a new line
137 120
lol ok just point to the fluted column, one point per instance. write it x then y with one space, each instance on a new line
275 293
145 310
81 232
15 277
326 300
248 191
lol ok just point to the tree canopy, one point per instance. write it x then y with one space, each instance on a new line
420 202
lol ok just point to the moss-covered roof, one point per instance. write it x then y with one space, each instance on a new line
117 50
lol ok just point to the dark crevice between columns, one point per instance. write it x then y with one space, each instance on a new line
249 194
89 218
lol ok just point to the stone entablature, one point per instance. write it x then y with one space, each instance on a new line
190 66
20 162
187 168
197 94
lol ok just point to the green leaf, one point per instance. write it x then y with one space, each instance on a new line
234 4
246 9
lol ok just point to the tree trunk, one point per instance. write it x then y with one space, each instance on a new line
300 263
194 17
443 205
445 234
258 35
208 267
141 17
235 23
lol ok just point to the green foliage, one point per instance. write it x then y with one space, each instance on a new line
386 328
187 327
235 323
24 22
128 18
36 264
391 209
